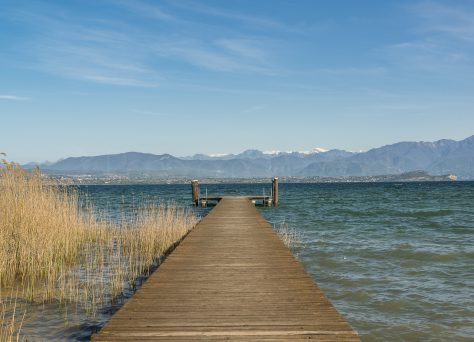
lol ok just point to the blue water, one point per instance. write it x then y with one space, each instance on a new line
396 259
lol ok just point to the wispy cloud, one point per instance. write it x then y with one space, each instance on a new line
87 49
144 9
429 55
245 18
104 63
453 21
112 52
253 109
148 112
442 39
354 71
246 48
215 56
13 98
400 107
119 81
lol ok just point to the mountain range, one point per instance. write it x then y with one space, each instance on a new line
437 158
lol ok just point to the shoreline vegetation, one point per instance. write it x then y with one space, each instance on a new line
289 235
85 178
54 250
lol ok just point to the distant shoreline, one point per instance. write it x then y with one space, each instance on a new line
122 179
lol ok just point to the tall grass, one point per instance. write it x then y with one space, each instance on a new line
289 235
10 327
52 250
42 231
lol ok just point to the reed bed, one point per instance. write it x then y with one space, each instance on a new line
289 235
51 249
10 326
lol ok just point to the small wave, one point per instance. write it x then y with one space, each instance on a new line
393 213
407 254
357 296
329 263
426 213
394 305
362 212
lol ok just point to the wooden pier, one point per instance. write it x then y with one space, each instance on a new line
266 201
231 278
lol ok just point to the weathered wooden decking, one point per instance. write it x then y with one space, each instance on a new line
230 279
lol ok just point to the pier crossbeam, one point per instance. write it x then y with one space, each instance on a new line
268 201
231 278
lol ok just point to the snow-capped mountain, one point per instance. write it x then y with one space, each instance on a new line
437 158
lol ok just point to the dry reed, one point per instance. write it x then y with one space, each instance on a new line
10 327
288 235
51 249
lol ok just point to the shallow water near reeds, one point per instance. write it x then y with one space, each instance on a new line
396 259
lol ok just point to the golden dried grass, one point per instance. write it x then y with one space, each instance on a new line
288 235
51 249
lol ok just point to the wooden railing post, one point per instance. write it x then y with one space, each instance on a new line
195 192
275 191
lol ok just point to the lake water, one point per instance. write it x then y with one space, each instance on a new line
396 259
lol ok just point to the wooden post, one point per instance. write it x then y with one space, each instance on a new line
275 191
195 192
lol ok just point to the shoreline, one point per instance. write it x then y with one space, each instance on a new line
134 180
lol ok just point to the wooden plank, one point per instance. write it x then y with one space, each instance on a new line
231 278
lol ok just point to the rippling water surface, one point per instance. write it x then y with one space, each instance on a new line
397 260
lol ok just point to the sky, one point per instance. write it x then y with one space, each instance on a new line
184 77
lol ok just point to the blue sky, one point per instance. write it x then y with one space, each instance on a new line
182 77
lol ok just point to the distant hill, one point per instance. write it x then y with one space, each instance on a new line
437 158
